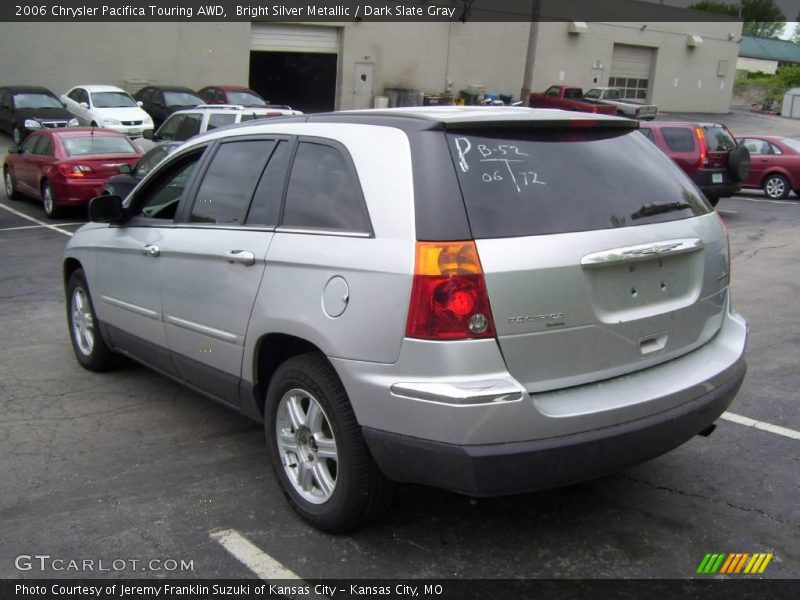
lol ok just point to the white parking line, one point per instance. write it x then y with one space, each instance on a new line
765 200
748 422
251 556
36 226
37 221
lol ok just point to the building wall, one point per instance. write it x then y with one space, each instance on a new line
434 57
757 65
683 79
61 55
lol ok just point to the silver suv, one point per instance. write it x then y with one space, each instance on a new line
486 300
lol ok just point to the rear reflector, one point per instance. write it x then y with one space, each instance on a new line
449 300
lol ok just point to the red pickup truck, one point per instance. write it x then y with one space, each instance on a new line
569 98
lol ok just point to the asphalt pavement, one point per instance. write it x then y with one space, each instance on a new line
129 466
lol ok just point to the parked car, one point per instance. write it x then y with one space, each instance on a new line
109 107
183 124
635 109
500 300
707 152
231 94
774 164
27 108
128 177
65 167
569 98
160 101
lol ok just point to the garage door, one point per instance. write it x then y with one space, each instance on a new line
631 69
267 37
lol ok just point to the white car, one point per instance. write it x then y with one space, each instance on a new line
107 106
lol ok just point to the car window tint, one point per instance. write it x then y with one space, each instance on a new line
97 144
161 199
519 181
719 139
323 192
678 139
266 205
648 133
176 98
188 126
74 95
28 145
228 184
43 146
756 146
551 91
170 127
220 120
775 149
150 160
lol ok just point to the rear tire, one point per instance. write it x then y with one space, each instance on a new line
11 190
776 187
51 208
317 450
84 332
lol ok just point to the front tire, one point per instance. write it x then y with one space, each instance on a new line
317 450
776 187
90 348
51 208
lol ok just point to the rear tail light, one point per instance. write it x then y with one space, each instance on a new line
449 299
701 138
74 170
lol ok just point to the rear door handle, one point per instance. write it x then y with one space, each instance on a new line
240 256
153 251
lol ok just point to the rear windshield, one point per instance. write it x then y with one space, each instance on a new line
85 146
718 139
542 181
792 143
181 99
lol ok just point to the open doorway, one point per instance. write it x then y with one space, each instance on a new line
303 80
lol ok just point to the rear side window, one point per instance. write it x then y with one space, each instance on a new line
678 139
220 120
323 191
520 182
719 139
228 185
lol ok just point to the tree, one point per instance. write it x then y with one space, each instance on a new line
796 36
761 17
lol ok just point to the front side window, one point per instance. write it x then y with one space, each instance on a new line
228 184
76 95
44 147
323 191
180 127
756 147
161 198
150 160
29 144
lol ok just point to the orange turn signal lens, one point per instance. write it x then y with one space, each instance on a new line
447 258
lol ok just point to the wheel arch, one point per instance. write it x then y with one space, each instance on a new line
271 350
775 171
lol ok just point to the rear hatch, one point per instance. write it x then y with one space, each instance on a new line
599 254
103 167
103 154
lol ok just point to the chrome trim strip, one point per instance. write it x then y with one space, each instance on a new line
145 312
224 336
359 234
639 252
461 393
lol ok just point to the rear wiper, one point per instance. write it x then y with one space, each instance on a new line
656 209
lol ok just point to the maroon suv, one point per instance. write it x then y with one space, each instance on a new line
707 152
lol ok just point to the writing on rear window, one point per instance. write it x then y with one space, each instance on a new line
498 163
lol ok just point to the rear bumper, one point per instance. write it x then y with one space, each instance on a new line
498 469
77 193
704 178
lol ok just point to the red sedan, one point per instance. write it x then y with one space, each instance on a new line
66 167
231 94
774 164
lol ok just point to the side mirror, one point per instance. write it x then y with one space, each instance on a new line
140 103
83 104
106 209
148 134
12 149
125 169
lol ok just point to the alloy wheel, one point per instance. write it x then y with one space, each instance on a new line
82 321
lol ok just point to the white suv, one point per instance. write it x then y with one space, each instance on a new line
183 124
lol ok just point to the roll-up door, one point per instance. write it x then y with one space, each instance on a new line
631 70
268 37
